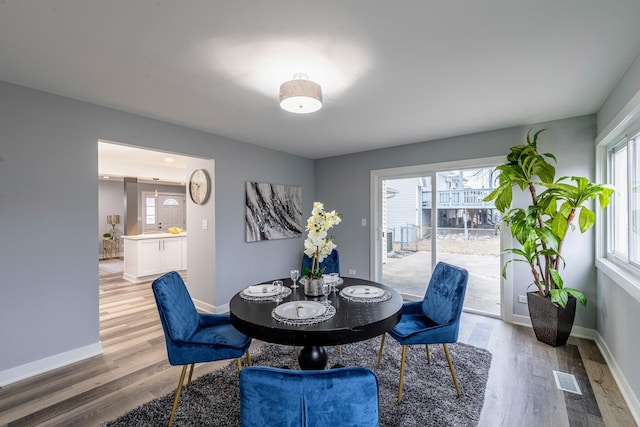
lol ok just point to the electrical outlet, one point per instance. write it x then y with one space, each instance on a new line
364 222
522 299
352 271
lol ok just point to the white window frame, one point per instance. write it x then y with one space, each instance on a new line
625 127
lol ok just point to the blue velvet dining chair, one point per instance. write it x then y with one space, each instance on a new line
435 319
331 264
284 397
193 337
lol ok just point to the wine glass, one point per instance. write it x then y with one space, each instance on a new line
326 290
278 296
334 281
295 275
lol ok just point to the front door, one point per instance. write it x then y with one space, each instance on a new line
163 211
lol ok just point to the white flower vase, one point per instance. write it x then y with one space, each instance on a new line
313 287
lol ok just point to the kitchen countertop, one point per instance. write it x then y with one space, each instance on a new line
154 236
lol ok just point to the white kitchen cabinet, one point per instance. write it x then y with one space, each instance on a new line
149 255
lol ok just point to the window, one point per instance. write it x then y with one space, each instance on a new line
624 221
171 202
150 210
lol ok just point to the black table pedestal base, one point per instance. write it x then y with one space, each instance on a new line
312 357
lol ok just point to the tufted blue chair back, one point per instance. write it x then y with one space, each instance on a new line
331 264
285 397
445 295
178 314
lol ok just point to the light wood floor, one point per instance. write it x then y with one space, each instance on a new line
134 369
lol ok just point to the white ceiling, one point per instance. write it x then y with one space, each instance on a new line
392 72
116 161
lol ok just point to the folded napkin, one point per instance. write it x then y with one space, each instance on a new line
260 289
364 291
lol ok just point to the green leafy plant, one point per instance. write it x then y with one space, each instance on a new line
541 227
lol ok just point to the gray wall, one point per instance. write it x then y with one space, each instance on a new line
342 183
626 88
49 214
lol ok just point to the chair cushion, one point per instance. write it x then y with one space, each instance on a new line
334 397
412 323
417 329
221 335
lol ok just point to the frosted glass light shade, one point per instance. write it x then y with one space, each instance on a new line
300 96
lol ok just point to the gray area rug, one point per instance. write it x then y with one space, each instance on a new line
429 398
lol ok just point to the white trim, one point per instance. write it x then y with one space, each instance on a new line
211 309
627 392
49 363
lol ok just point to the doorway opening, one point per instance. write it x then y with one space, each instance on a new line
433 213
147 190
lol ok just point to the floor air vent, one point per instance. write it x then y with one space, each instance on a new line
566 382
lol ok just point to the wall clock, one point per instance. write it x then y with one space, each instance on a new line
199 186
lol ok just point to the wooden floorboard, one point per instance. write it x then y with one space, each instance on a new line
133 369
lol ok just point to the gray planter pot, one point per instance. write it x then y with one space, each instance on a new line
552 325
313 287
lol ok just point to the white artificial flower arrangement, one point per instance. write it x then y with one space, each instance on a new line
317 245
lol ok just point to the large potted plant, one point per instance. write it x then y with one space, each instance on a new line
541 229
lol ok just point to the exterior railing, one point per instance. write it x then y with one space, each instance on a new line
457 199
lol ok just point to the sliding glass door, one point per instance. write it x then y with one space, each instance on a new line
438 215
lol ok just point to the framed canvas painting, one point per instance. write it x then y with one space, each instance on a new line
273 211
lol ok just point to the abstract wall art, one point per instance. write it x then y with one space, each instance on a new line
273 211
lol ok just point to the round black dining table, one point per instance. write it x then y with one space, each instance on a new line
353 321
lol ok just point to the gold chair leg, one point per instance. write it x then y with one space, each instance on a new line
248 358
426 347
404 353
239 362
340 348
381 346
190 375
177 399
453 372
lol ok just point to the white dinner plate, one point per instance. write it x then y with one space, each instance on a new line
266 290
363 291
300 309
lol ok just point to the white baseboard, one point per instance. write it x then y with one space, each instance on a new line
48 363
626 390
212 309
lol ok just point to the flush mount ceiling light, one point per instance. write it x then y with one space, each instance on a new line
300 95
